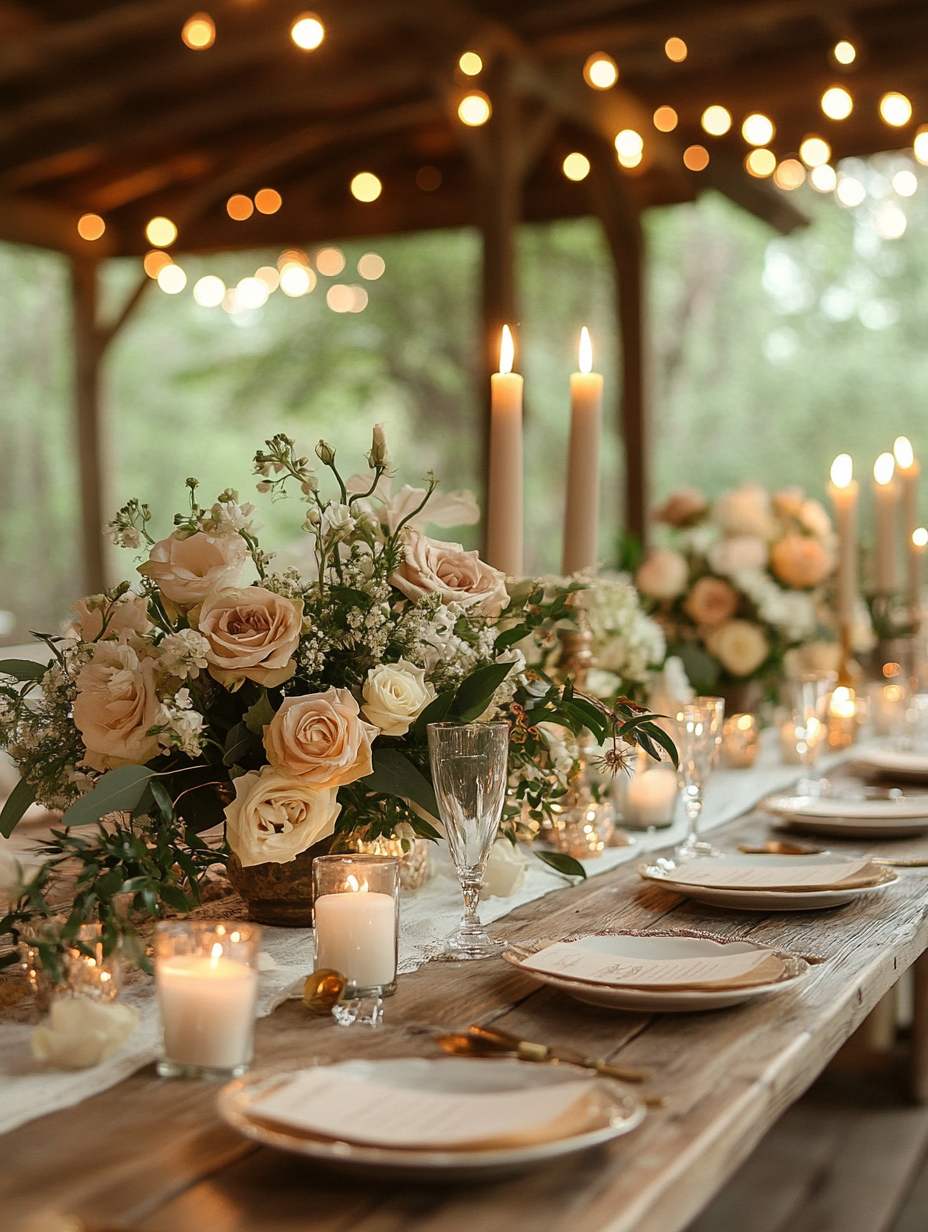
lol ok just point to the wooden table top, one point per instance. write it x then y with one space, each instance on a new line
153 1155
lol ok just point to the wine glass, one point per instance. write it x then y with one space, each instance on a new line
809 697
699 737
469 772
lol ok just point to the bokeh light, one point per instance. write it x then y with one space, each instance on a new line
365 186
371 266
758 129
905 183
307 31
171 279
823 178
342 298
161 232
716 120
576 166
850 191
890 222
269 275
296 280
330 261
154 261
251 292
629 146
696 158
814 151
790 174
895 109
920 145
474 109
761 163
199 32
675 49
90 226
837 103
470 64
239 207
209 291
268 201
665 119
600 71
844 52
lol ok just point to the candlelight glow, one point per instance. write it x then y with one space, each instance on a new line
470 64
884 468
895 109
675 49
199 32
307 31
758 129
507 350
814 151
474 109
920 537
790 174
366 187
576 167
665 119
161 232
843 703
903 452
600 71
842 470
585 351
844 52
239 207
215 954
716 120
90 226
837 104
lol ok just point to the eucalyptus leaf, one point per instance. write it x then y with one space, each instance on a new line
395 775
22 669
19 799
118 791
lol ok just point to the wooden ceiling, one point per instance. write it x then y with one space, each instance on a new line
103 108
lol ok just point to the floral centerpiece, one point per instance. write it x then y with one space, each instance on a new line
740 582
284 713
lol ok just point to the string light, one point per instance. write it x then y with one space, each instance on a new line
199 32
209 291
850 191
761 163
307 31
371 266
716 120
90 226
296 280
269 276
665 119
291 256
905 183
251 292
895 109
837 104
330 261
268 201
758 129
239 207
600 71
823 178
161 232
920 145
342 298
154 261
470 64
474 109
790 174
844 52
576 167
696 158
171 279
629 146
366 187
814 151
675 49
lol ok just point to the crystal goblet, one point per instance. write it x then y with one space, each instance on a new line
699 737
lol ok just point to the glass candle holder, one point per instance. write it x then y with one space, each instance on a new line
843 717
78 966
207 983
740 741
356 908
646 794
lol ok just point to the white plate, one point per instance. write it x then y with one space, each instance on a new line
766 900
659 946
846 818
898 762
236 1104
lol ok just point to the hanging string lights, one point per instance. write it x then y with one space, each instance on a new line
716 120
895 109
837 103
199 32
600 71
307 31
474 109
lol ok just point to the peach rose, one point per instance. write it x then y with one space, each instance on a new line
745 511
252 635
116 705
662 574
787 502
433 566
710 601
129 615
188 568
273 818
738 552
321 739
800 562
682 507
739 645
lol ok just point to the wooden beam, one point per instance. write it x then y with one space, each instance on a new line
29 221
88 351
758 197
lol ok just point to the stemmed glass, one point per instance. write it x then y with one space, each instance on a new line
469 772
809 698
699 737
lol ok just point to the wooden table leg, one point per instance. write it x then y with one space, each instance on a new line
918 1060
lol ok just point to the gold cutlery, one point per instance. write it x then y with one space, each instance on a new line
781 847
488 1041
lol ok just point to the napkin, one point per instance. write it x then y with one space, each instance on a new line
717 874
711 972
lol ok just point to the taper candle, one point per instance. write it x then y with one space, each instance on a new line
581 511
843 491
907 468
917 545
886 498
504 496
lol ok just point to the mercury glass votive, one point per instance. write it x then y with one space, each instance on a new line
740 741
843 717
76 965
206 979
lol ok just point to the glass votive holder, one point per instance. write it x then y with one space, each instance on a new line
887 706
356 908
646 795
206 979
56 961
843 717
740 741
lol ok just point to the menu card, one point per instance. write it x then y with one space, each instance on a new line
797 876
330 1104
571 959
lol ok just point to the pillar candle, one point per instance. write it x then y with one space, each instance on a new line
207 1010
843 491
907 468
886 497
356 934
581 513
504 496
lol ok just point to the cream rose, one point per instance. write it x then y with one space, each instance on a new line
321 739
745 511
662 574
710 601
116 705
394 695
252 635
738 553
274 817
432 566
800 562
739 645
187 569
129 615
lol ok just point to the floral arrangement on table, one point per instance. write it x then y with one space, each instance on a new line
740 582
289 711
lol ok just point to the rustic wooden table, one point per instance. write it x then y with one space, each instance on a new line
153 1155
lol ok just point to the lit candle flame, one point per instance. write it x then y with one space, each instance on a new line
920 537
842 470
586 351
215 954
904 453
884 468
507 350
353 883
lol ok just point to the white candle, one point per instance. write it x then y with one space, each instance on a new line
886 496
504 495
356 935
918 542
843 491
581 511
908 469
207 1009
651 797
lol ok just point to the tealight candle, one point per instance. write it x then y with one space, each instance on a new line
356 910
207 989
740 741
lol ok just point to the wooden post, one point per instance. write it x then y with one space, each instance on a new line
622 223
88 351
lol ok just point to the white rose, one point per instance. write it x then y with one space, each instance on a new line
739 645
82 1032
337 520
505 870
274 817
394 695
662 574
738 552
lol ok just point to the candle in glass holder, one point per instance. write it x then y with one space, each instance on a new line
207 985
842 717
504 490
356 912
581 510
886 497
740 741
648 797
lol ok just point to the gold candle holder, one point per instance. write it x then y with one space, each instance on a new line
740 741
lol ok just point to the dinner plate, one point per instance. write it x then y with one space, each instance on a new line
659 946
620 1113
851 818
900 763
753 899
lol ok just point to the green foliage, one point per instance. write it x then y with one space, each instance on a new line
118 790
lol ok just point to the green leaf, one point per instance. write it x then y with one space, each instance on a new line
118 791
259 715
511 636
567 866
109 885
22 669
175 897
239 741
17 802
200 808
474 694
658 734
435 711
162 798
395 775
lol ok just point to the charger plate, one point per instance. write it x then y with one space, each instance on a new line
621 1112
851 818
658 946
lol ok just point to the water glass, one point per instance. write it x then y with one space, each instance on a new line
698 740
469 773
809 697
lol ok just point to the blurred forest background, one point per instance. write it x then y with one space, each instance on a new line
770 355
